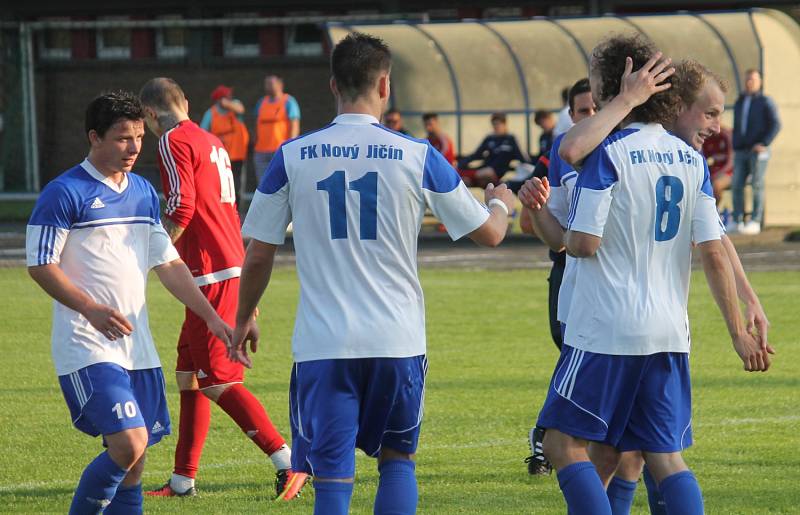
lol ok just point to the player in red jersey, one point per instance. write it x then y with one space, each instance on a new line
203 222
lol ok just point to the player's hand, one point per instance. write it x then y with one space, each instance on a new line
221 330
754 358
645 82
758 325
759 148
111 323
499 192
535 193
244 333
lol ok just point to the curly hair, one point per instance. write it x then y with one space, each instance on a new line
608 61
109 108
690 77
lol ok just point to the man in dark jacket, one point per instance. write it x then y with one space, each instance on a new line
755 125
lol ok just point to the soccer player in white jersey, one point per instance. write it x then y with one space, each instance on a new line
93 236
623 375
356 194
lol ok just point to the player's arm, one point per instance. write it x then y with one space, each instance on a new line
178 280
177 179
534 195
500 201
755 316
232 105
635 89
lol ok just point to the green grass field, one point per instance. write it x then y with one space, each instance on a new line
490 361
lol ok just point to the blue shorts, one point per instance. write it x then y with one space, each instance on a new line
336 405
639 403
105 398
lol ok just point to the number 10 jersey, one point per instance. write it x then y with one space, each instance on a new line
356 193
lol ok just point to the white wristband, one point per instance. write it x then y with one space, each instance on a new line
500 203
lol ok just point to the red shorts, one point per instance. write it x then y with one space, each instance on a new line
201 352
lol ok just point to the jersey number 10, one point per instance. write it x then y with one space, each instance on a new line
219 156
367 188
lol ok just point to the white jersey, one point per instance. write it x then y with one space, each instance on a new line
355 193
105 238
648 195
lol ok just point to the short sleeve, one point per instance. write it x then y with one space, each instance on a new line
593 193
292 108
270 213
47 231
160 249
448 197
706 224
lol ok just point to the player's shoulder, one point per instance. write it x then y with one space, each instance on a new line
621 137
69 182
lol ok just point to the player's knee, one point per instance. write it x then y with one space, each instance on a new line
127 447
134 475
630 466
186 381
606 460
215 392
387 454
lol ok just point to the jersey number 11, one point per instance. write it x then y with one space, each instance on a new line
367 188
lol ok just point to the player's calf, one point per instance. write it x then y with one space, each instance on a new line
676 483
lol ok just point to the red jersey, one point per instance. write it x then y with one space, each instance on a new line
718 150
198 185
444 145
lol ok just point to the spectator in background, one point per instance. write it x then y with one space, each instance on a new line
438 139
277 119
755 125
224 119
564 120
394 121
496 152
547 122
718 150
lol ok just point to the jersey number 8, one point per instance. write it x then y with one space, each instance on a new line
668 214
367 188
219 156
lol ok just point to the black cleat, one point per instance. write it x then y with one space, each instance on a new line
537 463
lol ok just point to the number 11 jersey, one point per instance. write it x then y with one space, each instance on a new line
198 186
356 193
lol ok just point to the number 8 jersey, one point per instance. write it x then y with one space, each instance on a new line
356 194
648 196
198 186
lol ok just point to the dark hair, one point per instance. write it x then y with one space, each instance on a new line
541 114
498 117
608 58
579 88
690 77
565 94
161 94
391 111
109 108
429 116
356 62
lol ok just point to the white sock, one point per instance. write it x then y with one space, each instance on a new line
180 484
282 458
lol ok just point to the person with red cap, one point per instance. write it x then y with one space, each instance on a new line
224 119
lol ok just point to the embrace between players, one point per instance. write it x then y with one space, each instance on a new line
359 340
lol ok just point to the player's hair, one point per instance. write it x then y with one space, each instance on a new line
110 107
691 77
579 88
162 94
565 94
608 59
430 116
541 114
356 62
498 117
391 111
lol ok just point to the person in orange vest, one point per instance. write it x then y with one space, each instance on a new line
277 120
224 120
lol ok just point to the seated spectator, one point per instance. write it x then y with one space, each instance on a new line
393 120
718 150
495 152
547 122
438 139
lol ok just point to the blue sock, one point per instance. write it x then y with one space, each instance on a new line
97 486
332 498
128 501
620 494
682 494
583 489
397 488
653 495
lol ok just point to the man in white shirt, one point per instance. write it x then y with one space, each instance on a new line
356 193
94 234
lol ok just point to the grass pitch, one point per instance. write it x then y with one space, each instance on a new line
490 361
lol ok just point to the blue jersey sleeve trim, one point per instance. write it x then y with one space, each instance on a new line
56 206
437 174
275 177
706 187
599 172
557 165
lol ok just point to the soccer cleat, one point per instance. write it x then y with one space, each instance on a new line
537 463
167 491
288 484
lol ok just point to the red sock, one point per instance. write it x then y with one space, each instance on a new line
249 414
194 420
